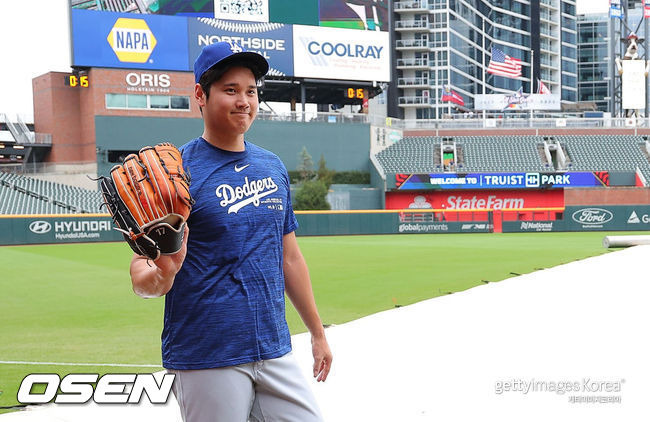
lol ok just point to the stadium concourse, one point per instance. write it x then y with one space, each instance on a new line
565 343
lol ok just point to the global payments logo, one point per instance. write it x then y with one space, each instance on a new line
131 40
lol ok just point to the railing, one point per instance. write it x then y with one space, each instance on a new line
313 117
463 121
408 5
411 43
412 24
414 100
26 133
414 81
419 61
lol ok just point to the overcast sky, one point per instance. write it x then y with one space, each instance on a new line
34 37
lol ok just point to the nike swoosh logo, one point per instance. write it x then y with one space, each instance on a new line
238 169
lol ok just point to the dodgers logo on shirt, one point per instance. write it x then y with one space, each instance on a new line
249 193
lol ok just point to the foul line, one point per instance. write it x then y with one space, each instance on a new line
125 365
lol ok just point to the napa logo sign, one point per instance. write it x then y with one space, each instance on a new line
132 40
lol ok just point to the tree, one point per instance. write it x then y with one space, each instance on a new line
305 165
312 189
311 196
324 174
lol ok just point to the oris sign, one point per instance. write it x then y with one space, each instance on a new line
148 82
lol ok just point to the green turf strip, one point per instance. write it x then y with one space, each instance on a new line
74 303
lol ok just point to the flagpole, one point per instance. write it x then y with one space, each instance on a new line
532 79
438 90
483 29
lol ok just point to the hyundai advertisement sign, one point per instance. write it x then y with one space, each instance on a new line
127 40
444 181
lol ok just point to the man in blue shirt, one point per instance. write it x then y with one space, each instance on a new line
225 334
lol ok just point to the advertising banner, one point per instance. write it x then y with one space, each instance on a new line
446 227
369 15
347 54
590 218
476 200
633 84
36 230
517 101
272 40
446 181
126 40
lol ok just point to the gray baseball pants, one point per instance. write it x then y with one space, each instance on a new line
264 391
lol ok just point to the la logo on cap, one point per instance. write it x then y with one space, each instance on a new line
235 48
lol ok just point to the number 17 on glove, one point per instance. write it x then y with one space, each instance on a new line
148 197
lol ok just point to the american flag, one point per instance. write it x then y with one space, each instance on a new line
504 65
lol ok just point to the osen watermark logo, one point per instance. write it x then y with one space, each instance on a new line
132 40
40 227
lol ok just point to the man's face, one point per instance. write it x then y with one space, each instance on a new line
232 104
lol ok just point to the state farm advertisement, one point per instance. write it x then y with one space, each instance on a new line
475 199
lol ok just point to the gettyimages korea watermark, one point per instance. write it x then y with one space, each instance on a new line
585 390
80 388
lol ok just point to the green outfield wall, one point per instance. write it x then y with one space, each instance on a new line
589 218
47 229
345 146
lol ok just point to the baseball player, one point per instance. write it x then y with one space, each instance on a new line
225 334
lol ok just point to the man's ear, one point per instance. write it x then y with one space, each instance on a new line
199 95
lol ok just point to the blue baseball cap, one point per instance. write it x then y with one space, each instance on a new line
224 52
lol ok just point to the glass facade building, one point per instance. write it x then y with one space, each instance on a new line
594 70
448 42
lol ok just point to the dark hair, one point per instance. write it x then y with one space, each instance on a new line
217 71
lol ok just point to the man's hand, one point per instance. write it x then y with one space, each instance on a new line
155 278
322 357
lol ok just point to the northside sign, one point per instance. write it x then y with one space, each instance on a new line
500 180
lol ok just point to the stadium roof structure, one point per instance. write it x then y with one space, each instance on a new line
317 91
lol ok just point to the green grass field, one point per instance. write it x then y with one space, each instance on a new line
73 303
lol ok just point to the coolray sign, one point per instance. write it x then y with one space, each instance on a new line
119 40
500 180
348 54
109 388
271 40
592 217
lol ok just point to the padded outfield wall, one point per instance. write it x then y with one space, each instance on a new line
21 230
345 146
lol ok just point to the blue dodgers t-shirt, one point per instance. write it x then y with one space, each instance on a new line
226 306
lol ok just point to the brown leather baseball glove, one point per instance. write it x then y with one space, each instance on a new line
149 199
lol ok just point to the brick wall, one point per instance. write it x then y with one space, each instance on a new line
68 113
